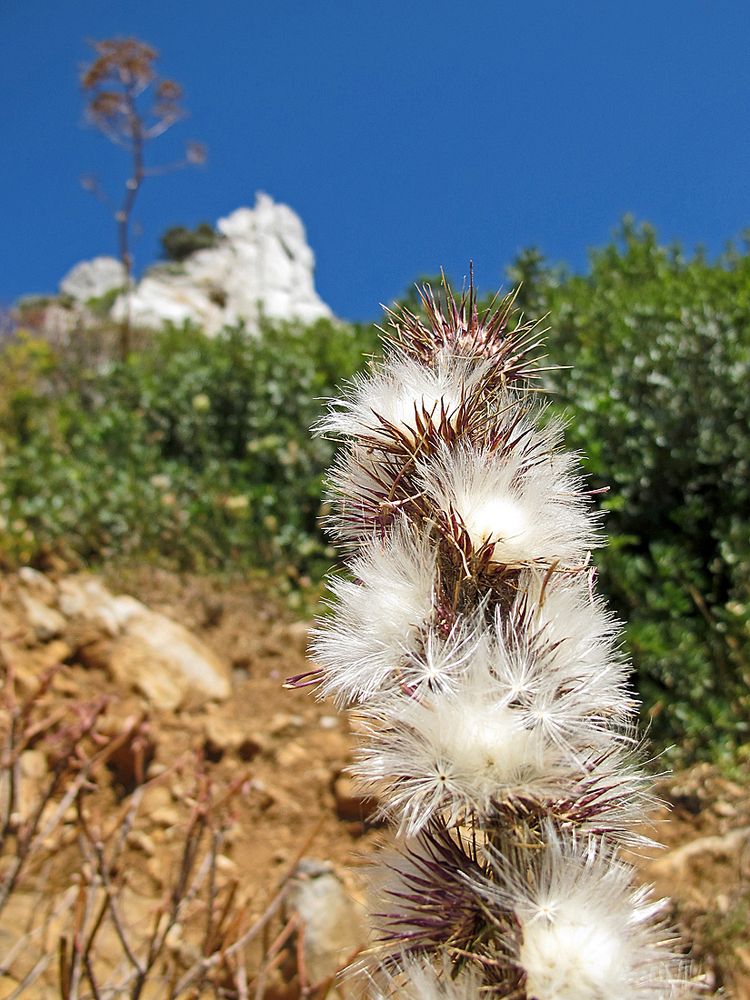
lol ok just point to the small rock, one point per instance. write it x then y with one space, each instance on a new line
165 816
33 764
225 865
291 754
154 798
156 869
329 722
86 597
45 621
223 735
168 663
33 768
351 804
39 584
282 722
142 842
722 903
726 809
333 922
22 662
57 651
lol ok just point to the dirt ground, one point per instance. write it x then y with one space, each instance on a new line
286 752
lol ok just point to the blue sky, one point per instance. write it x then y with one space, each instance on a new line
408 135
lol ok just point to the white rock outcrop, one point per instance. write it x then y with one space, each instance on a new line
144 649
261 266
90 279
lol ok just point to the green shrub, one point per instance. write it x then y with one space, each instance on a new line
101 305
179 242
196 452
659 406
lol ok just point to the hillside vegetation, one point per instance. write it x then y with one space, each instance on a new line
196 454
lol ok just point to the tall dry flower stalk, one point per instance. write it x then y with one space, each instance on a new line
116 84
496 723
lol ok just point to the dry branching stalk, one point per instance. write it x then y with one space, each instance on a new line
72 869
115 84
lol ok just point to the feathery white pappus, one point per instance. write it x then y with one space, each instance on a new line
555 653
419 979
376 618
478 745
400 394
527 501
447 756
586 933
358 485
572 621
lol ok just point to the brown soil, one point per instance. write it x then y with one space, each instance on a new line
291 751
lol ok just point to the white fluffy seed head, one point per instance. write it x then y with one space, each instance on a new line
501 521
401 394
566 959
515 714
418 978
530 507
575 641
455 751
441 662
377 618
585 933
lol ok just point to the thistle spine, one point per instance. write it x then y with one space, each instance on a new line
496 724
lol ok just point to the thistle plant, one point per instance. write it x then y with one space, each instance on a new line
496 725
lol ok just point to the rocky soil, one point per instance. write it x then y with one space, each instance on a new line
164 715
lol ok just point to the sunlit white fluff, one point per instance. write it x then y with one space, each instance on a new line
576 640
491 703
417 978
401 394
465 749
440 663
585 933
359 484
576 702
377 618
527 501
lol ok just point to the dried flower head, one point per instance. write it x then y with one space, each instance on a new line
495 721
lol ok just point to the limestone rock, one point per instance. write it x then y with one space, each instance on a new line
202 669
333 922
45 621
40 585
261 266
148 651
351 804
86 597
163 297
90 279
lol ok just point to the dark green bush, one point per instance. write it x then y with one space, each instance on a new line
179 242
196 452
659 406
